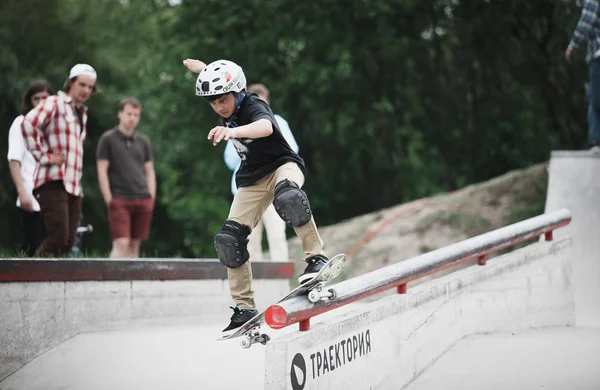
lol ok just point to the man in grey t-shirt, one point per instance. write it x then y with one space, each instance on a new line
127 180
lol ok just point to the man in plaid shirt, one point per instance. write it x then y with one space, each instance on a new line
54 132
588 30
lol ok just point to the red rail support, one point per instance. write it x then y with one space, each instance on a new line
549 236
482 260
402 289
398 275
305 325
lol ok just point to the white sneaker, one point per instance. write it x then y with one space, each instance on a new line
595 149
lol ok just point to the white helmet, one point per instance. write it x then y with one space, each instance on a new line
220 77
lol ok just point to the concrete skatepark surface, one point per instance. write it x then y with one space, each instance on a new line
189 357
186 355
549 359
167 354
152 357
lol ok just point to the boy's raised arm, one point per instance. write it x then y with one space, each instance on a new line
195 66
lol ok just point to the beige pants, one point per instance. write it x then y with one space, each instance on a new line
275 227
249 204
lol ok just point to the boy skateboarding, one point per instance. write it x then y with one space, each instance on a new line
270 172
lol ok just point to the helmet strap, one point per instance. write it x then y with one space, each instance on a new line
239 98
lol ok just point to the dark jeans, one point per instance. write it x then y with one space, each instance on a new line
33 230
593 95
60 213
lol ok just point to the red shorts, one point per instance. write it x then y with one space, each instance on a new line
130 218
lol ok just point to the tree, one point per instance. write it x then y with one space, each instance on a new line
389 101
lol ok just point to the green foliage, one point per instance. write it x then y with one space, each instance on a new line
462 220
530 201
426 249
389 101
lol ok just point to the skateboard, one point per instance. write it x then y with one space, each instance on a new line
250 330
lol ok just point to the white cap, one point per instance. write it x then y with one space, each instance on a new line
82 70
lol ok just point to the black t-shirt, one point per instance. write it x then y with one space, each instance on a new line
260 156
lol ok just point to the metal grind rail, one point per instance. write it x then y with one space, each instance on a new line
301 310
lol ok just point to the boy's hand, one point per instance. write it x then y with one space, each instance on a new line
195 66
219 133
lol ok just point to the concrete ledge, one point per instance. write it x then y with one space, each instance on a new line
387 344
574 182
36 315
574 153
56 270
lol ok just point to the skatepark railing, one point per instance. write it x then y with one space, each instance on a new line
301 310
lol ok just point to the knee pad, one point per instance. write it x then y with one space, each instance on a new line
291 203
231 244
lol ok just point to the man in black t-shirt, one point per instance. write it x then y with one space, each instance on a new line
270 172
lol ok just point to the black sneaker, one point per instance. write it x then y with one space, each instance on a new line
315 264
240 317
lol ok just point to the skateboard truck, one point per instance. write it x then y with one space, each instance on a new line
253 338
317 294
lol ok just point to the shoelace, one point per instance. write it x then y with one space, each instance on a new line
315 260
237 313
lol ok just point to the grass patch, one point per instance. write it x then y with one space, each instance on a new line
530 202
426 248
470 225
525 210
8 254
94 254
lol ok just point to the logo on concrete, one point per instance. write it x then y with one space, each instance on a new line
298 372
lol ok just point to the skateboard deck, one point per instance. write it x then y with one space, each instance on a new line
250 329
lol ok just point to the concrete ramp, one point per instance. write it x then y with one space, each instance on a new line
548 359
390 342
574 183
62 321
181 355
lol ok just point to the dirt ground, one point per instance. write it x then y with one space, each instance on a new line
398 233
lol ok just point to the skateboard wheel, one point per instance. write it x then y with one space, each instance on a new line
314 296
332 294
246 342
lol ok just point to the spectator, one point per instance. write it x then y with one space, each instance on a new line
127 180
54 132
272 223
588 31
22 167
